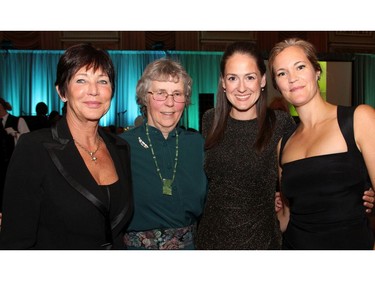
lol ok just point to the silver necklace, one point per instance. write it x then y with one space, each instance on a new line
167 183
91 153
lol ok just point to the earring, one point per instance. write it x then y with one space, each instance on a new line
262 89
224 90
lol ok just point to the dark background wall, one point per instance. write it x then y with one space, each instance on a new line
325 41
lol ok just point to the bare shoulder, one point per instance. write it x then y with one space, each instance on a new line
364 112
364 124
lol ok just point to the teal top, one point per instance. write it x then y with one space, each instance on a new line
153 209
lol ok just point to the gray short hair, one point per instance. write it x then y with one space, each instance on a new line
163 69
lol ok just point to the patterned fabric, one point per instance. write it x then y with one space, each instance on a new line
161 239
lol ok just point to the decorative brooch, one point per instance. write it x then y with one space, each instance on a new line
141 142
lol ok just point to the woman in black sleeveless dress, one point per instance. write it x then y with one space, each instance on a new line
326 163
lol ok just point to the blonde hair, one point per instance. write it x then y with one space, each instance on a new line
307 48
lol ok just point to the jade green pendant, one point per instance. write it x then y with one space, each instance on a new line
167 186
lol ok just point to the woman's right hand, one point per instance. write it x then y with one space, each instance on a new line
278 202
282 212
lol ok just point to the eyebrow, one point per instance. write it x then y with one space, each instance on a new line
165 90
300 61
85 74
249 73
294 64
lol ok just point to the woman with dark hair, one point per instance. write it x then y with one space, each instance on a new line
241 161
241 166
69 186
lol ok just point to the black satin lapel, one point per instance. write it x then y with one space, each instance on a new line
52 148
81 189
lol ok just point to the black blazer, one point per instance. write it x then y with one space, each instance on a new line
51 201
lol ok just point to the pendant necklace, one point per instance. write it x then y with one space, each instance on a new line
91 153
167 183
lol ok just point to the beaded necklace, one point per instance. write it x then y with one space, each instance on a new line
167 183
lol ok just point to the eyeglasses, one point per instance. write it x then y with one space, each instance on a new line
163 95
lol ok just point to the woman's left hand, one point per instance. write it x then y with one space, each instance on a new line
279 203
369 198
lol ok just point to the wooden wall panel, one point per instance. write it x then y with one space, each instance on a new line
133 40
187 40
352 42
27 40
218 40
50 40
324 41
319 39
109 40
266 40
160 40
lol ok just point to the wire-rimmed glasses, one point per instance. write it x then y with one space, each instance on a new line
163 95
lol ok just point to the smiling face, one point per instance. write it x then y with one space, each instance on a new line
295 76
88 95
242 82
165 115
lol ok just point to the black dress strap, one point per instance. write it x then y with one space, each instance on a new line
284 139
345 119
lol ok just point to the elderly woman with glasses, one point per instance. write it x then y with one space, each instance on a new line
167 163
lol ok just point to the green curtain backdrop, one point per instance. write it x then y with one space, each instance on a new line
364 79
27 77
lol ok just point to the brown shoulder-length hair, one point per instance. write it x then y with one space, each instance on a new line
265 117
83 55
307 48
